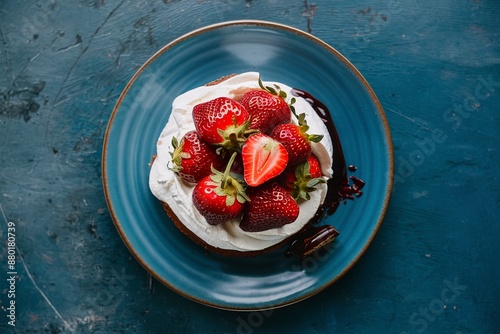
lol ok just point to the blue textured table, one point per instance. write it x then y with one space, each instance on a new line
434 265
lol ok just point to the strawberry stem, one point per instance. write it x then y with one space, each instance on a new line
304 128
234 136
232 187
304 183
276 90
227 170
177 155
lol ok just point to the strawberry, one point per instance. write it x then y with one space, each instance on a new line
192 157
270 206
301 179
263 159
220 197
314 166
266 110
295 139
222 122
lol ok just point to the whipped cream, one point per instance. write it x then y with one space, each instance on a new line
171 189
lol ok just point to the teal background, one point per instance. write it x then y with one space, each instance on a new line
432 268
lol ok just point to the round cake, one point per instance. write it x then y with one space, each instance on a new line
255 155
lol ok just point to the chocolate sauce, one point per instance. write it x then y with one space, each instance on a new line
312 239
341 187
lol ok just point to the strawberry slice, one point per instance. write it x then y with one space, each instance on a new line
263 159
270 206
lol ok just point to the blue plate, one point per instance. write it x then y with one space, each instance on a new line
279 53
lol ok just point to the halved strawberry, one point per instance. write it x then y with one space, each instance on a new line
270 206
222 122
301 179
192 157
263 159
220 197
295 139
266 110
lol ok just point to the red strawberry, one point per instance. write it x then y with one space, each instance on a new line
295 139
270 206
220 197
222 122
314 166
266 110
263 159
301 179
192 157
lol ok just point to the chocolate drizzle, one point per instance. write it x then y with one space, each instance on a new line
341 187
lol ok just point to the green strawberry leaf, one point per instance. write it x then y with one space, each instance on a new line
315 138
305 183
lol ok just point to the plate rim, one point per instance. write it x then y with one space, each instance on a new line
271 25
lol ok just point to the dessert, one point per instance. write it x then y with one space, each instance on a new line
229 205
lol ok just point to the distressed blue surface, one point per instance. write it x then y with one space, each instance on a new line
433 267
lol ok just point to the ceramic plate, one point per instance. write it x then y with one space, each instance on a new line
280 53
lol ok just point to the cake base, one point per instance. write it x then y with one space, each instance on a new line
221 251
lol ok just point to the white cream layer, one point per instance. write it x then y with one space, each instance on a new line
170 188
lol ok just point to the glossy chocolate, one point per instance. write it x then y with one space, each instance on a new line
341 187
312 239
